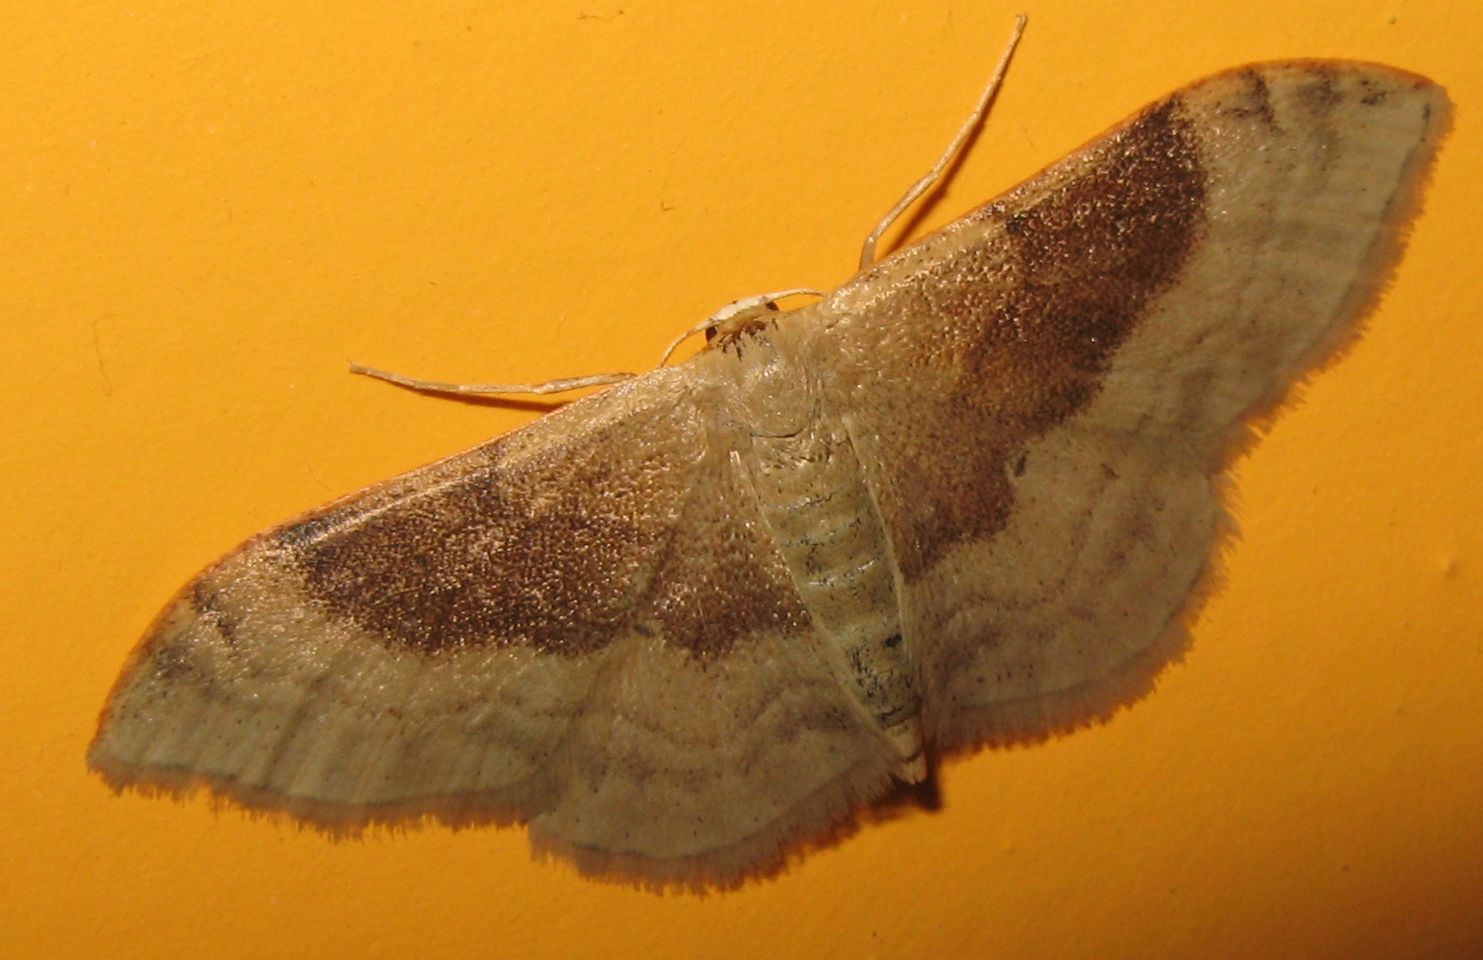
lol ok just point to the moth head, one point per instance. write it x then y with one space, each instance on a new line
738 322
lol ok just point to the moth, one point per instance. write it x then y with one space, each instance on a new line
687 625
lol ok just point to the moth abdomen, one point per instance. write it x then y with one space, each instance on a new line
814 499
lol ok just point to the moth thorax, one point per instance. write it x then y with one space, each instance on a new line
774 395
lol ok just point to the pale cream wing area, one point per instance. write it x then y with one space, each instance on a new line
1044 394
581 624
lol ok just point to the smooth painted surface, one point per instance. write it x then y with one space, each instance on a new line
208 210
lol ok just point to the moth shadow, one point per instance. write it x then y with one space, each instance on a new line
540 407
907 799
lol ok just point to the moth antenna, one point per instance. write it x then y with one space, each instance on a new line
709 323
561 385
734 309
746 304
729 312
975 119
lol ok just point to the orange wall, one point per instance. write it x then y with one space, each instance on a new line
208 211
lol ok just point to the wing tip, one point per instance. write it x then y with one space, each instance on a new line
1374 278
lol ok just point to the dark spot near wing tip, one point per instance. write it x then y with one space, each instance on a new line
171 663
1255 100
200 599
1319 95
893 641
1374 93
305 532
1019 465
204 600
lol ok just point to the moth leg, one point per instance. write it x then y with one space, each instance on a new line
561 385
975 119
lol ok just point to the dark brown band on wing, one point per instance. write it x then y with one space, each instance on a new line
1087 259
1016 331
722 579
552 553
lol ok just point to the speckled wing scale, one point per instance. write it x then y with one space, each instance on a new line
687 625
